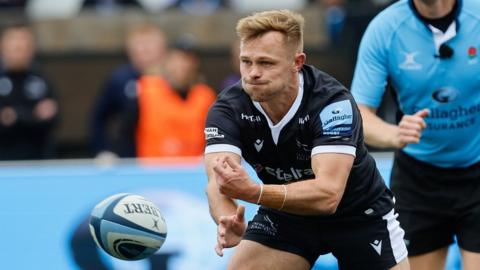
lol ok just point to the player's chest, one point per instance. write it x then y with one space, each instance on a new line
414 63
285 157
287 161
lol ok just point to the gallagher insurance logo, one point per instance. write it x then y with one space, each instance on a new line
445 95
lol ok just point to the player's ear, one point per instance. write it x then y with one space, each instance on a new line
299 61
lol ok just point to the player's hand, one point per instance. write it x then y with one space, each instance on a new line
410 128
234 182
230 230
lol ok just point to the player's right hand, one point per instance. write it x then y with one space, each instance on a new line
410 128
230 230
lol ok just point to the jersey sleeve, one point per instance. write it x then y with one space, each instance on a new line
337 127
370 76
222 133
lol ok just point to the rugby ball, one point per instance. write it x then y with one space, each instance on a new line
128 226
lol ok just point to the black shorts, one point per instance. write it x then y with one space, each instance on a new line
370 239
436 204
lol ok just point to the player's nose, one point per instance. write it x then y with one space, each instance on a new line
254 72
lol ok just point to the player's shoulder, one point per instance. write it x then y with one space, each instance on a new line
232 103
321 85
471 8
233 95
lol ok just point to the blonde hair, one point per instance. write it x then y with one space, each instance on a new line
287 22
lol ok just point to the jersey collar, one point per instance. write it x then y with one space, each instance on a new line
276 129
458 8
440 37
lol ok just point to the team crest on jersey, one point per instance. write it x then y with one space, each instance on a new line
212 132
472 55
337 118
302 146
303 150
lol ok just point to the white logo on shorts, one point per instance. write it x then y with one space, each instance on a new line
377 245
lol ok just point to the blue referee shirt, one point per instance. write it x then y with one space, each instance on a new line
398 46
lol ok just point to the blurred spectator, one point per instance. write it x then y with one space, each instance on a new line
28 107
334 17
172 109
109 7
13 3
48 9
101 4
157 5
346 20
235 63
200 7
256 5
145 47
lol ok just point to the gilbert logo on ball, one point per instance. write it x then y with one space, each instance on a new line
128 226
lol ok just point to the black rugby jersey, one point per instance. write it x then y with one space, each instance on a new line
323 119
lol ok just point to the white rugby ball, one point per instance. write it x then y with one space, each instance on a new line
128 226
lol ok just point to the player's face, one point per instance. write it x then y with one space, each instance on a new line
267 65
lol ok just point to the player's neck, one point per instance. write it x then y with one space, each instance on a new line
433 9
277 108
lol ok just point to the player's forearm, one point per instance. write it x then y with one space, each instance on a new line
377 132
309 197
219 205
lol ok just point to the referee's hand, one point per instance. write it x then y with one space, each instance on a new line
230 230
411 127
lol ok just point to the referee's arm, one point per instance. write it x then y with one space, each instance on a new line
381 134
378 132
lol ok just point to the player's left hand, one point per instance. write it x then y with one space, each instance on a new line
230 230
234 182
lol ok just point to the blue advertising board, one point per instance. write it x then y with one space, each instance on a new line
44 211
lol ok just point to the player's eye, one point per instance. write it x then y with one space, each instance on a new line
246 62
